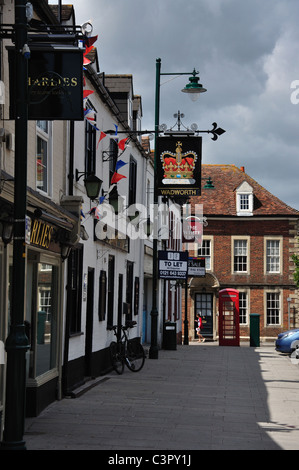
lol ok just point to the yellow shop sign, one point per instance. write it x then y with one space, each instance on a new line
41 234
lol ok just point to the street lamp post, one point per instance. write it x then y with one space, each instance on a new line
17 342
193 88
153 351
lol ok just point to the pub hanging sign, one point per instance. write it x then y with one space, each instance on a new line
179 166
55 83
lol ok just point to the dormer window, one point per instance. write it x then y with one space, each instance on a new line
244 200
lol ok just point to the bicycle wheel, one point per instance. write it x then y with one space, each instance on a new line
116 358
134 356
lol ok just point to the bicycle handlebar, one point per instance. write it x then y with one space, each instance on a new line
129 324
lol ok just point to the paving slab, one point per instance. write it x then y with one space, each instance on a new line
197 397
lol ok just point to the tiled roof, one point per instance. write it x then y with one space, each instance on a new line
221 201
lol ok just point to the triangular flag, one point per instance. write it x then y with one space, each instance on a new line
87 111
119 164
122 143
116 128
86 93
91 118
87 50
86 61
101 137
116 177
102 199
90 41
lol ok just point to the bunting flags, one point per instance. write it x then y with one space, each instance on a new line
102 136
86 61
121 144
89 114
86 93
120 164
90 41
116 178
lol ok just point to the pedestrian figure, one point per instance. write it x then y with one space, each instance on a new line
198 328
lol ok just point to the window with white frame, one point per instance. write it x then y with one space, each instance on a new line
206 251
43 156
45 301
240 256
273 308
244 199
244 202
273 256
243 308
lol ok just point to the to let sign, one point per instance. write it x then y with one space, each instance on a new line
173 264
197 267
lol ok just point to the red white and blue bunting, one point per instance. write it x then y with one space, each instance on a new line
90 116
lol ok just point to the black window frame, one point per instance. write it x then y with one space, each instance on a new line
111 282
113 155
132 180
90 144
129 288
102 295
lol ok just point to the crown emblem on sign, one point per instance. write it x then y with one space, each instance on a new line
178 165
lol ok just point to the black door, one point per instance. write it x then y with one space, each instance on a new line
204 306
89 322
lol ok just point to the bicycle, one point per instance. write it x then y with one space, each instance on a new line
126 351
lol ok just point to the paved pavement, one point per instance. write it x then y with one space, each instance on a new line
198 397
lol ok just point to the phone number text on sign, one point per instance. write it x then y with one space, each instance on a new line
173 265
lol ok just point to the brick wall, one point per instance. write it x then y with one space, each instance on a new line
256 282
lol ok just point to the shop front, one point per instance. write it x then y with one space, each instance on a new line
51 232
44 310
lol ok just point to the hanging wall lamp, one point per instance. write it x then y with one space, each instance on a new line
6 224
92 184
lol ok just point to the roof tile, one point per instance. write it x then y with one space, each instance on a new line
221 201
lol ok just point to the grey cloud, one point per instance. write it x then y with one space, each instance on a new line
247 56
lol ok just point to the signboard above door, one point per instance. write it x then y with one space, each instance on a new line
55 83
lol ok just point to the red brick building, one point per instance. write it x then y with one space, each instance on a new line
248 240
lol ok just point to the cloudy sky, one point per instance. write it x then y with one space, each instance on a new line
247 54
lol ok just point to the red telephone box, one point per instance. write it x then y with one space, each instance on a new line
229 323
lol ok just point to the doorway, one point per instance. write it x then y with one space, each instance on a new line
89 322
204 307
42 313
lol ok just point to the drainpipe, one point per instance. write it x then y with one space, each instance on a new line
71 159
